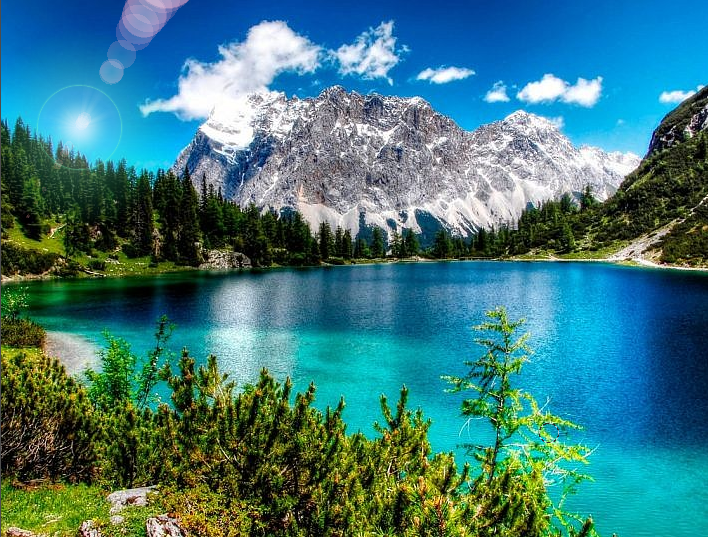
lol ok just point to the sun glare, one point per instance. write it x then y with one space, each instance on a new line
83 121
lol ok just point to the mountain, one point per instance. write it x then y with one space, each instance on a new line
662 207
393 162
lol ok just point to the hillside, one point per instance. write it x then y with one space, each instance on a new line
663 205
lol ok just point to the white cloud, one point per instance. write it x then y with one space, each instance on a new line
551 88
558 122
372 55
585 92
270 48
497 94
677 96
443 75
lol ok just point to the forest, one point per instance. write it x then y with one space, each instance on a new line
108 207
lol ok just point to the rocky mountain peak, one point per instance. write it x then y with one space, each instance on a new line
393 162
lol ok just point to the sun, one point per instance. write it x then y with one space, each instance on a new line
83 121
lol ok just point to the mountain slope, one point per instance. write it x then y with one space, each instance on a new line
356 160
662 207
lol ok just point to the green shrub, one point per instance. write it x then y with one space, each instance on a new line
97 264
49 427
22 333
19 260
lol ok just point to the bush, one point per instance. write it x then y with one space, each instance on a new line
19 260
49 428
97 264
22 333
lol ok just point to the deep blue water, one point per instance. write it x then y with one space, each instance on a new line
622 351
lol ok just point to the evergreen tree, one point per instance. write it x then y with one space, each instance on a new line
142 218
122 197
442 246
347 244
587 200
325 241
188 236
377 243
361 249
524 449
410 243
396 245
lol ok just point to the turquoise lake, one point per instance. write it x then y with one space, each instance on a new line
622 351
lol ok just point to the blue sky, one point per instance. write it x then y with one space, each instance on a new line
608 71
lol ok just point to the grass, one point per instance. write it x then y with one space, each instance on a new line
59 510
123 267
54 244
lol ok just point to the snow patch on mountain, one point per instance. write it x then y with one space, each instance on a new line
390 162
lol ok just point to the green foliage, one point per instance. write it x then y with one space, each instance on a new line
263 460
49 427
14 302
22 333
524 456
17 331
52 510
58 509
122 378
19 260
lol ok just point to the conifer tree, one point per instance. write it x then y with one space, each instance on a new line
410 243
525 453
188 239
326 241
377 243
142 218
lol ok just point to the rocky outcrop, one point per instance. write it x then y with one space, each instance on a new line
137 497
360 160
88 529
164 526
682 123
224 259
12 531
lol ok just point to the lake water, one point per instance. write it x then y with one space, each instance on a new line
622 351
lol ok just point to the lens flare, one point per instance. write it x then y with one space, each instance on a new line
83 121
140 21
79 118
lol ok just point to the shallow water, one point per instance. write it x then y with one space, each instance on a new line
619 350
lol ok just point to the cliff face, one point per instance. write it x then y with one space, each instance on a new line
393 162
684 122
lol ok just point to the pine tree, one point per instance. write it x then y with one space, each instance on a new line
142 218
396 244
188 237
410 243
377 243
347 244
326 241
524 450
122 196
442 246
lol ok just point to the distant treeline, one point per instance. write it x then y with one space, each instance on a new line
111 206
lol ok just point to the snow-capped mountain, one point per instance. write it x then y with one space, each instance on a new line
393 162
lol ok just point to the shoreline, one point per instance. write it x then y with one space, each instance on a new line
633 261
75 352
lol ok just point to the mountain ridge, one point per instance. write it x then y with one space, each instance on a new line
392 162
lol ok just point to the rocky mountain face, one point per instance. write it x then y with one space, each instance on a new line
359 161
684 122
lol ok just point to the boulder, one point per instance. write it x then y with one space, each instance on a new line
123 498
164 526
87 529
224 259
12 531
